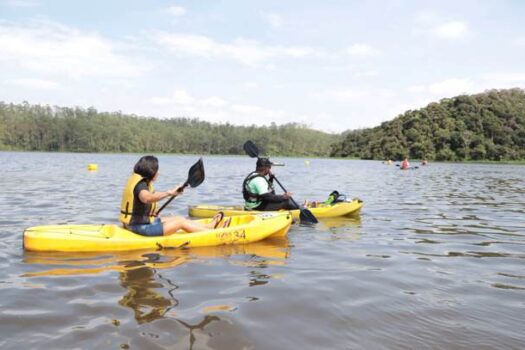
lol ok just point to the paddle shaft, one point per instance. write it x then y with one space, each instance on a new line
284 189
172 198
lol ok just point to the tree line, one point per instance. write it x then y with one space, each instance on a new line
486 126
50 128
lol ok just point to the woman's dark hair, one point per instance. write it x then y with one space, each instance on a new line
147 167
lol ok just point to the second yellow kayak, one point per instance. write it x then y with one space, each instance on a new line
319 211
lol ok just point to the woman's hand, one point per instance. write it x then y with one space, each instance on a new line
174 192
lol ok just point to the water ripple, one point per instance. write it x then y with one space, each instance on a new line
434 260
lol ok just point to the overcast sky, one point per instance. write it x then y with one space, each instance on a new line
332 65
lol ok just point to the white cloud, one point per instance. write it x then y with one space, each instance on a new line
51 48
415 89
182 97
451 87
217 109
251 85
343 94
248 52
36 83
176 11
445 88
352 95
451 30
273 19
361 50
505 79
214 101
298 52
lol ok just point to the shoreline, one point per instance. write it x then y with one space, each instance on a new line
509 162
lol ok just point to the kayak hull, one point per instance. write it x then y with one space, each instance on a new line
322 211
90 238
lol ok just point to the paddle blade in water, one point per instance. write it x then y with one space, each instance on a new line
251 149
306 217
196 174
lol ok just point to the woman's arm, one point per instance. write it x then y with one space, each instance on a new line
147 197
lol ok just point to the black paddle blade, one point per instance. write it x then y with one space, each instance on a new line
196 174
251 149
306 217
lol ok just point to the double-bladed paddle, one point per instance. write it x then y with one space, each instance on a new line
195 178
305 215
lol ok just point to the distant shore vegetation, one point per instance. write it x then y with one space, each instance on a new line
26 127
486 126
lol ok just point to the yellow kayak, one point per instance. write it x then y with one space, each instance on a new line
319 210
89 238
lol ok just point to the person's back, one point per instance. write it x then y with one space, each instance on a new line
258 191
254 186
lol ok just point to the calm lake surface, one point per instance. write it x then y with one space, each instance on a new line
435 260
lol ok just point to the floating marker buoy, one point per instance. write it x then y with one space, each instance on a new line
307 162
92 167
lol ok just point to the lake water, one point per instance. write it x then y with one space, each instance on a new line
435 260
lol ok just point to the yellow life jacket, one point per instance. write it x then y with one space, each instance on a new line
128 198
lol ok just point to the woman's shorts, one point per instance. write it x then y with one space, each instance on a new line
150 230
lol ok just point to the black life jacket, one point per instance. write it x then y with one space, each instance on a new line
248 195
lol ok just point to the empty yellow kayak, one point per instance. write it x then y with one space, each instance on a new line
90 238
319 211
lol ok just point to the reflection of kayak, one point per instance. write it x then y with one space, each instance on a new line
340 222
273 251
77 238
320 211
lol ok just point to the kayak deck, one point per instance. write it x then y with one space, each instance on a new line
87 238
319 211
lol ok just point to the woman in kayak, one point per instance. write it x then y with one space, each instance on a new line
405 164
258 191
139 204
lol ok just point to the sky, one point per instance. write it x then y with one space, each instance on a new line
330 65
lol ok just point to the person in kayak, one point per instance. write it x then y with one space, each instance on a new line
139 204
405 164
258 191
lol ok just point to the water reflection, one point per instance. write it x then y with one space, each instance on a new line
150 294
198 326
142 297
339 222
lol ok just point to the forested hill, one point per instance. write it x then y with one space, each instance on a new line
45 128
486 126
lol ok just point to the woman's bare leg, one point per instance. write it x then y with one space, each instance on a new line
175 223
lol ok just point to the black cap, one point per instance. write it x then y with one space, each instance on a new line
264 162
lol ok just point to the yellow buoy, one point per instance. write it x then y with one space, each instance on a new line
92 167
307 162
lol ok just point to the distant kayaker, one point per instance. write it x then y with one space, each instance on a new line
258 191
405 164
139 204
